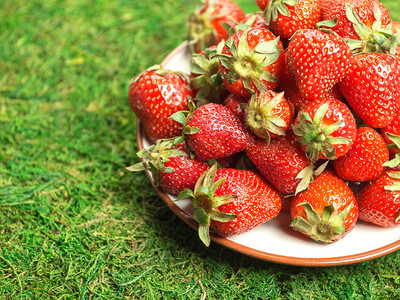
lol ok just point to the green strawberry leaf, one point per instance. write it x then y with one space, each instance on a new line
136 167
221 216
204 234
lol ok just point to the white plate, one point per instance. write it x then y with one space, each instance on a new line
275 240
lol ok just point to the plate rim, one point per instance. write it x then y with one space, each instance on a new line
258 254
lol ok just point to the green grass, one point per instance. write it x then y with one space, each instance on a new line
73 222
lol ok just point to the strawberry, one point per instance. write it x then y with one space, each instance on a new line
379 200
285 17
268 114
154 95
280 163
347 11
236 104
293 95
364 161
395 26
327 211
215 132
252 60
325 129
391 134
372 87
255 19
206 23
170 165
317 60
205 79
231 202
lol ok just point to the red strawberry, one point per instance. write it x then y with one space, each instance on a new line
395 26
391 132
236 104
206 23
252 60
231 202
268 114
364 161
391 135
364 9
217 132
372 87
293 95
317 60
326 211
280 163
154 95
172 168
379 201
255 19
325 129
286 17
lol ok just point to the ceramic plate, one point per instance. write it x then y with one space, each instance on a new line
274 240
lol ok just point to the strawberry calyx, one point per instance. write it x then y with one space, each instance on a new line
208 81
259 117
249 65
275 7
316 137
239 25
182 117
322 229
206 204
154 157
393 163
376 39
307 176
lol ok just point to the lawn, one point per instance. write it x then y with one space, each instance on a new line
73 222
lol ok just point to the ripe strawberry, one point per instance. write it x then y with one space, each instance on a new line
364 161
280 163
363 9
206 23
284 18
293 95
325 129
372 87
391 134
326 211
395 26
236 104
252 60
379 200
217 132
255 19
231 202
154 95
317 60
268 114
170 165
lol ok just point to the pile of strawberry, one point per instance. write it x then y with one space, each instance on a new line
293 109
